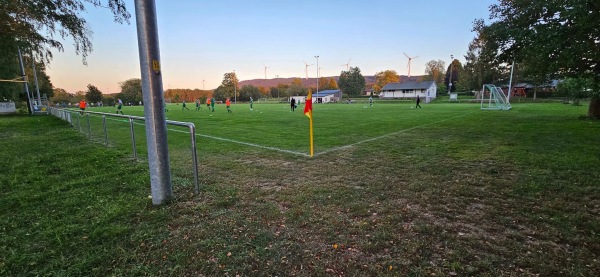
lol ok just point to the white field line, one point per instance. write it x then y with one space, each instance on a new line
316 154
230 140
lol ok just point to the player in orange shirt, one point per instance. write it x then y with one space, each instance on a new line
228 104
82 105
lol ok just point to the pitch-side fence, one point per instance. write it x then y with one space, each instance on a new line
75 118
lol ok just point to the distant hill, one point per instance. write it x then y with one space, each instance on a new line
310 82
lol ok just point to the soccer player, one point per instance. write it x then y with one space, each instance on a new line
212 104
418 101
251 102
184 107
82 106
371 101
293 104
198 105
228 104
119 106
208 103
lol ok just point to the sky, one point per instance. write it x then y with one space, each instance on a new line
200 41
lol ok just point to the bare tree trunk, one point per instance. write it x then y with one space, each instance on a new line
594 108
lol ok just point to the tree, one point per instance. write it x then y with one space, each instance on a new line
559 37
228 87
62 96
279 91
131 90
93 94
37 26
352 82
453 74
434 71
477 71
574 88
332 84
248 91
385 77
296 88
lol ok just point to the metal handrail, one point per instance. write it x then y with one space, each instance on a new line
65 114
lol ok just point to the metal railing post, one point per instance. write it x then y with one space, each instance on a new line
67 114
194 157
87 115
133 138
105 130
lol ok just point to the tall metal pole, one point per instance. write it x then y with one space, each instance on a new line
152 90
317 73
37 86
234 88
25 83
450 77
512 68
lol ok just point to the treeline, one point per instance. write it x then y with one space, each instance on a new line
189 95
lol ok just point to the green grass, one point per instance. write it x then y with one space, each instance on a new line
444 190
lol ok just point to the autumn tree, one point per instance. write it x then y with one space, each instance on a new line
332 84
228 87
559 37
352 82
296 88
434 71
385 77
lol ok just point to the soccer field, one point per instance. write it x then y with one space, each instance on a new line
273 127
391 191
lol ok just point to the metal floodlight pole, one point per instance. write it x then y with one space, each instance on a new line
25 82
152 90
512 68
234 88
37 86
450 77
317 73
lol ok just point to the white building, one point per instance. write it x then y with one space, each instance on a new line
426 90
326 96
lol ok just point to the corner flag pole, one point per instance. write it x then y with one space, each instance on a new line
312 148
308 112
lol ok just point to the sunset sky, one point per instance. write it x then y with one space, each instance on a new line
202 40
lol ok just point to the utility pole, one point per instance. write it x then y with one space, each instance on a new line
152 90
317 74
450 77
234 88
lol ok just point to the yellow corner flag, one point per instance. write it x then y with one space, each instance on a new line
308 112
